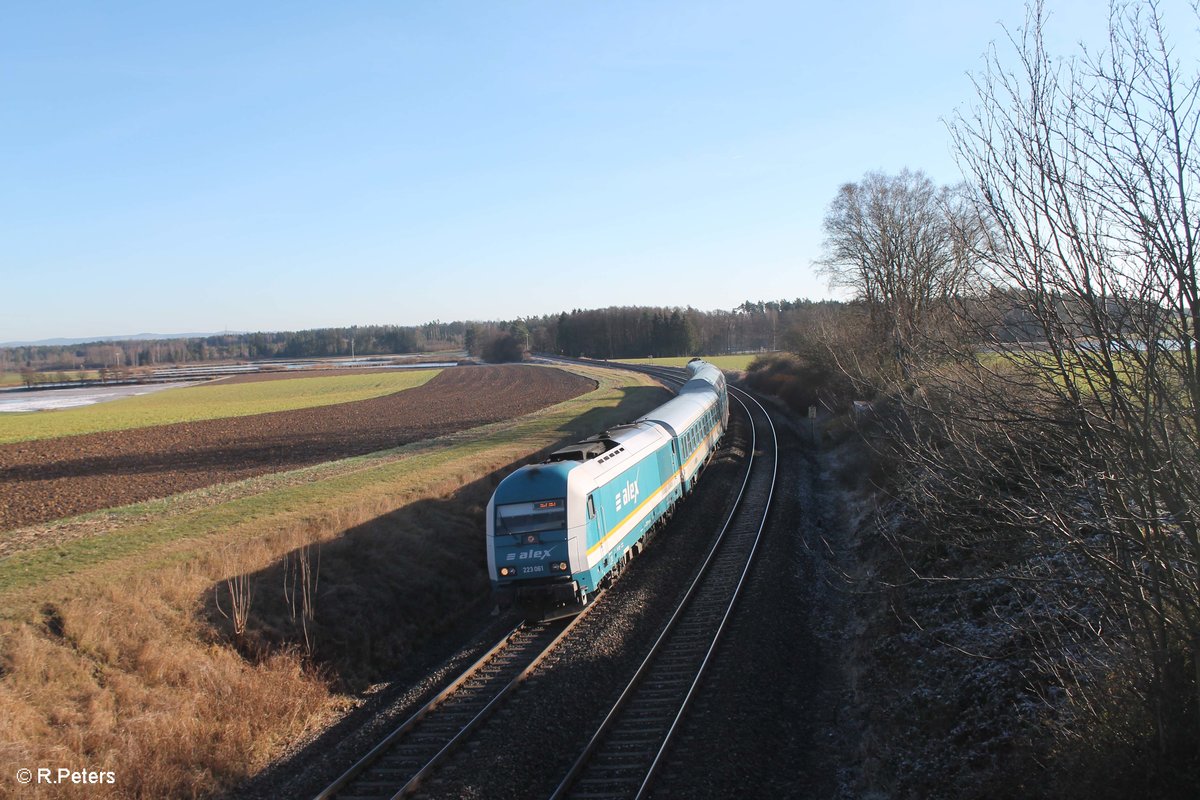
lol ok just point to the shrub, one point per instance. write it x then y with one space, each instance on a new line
800 382
502 348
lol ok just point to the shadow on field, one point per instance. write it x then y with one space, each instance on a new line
359 605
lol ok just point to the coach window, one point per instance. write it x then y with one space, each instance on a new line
591 508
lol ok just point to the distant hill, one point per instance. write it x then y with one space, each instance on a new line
136 337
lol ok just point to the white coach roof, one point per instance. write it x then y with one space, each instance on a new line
677 414
696 395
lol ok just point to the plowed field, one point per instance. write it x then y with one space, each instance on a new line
53 478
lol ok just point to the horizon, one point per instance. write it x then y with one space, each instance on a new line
171 170
64 341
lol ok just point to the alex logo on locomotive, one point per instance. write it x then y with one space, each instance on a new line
528 554
628 496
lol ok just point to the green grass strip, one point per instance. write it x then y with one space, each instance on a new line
733 363
208 401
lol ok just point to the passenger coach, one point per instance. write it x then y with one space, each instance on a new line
559 530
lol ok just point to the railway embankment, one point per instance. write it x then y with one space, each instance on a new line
947 677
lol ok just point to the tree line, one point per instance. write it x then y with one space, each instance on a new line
640 332
615 332
358 340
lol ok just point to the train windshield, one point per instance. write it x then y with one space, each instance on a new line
540 515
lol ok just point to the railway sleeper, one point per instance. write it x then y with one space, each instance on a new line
600 780
653 715
617 761
614 776
672 674
657 702
379 788
690 639
409 745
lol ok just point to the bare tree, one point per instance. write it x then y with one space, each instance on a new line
1072 451
897 243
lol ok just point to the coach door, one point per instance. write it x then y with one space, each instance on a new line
595 521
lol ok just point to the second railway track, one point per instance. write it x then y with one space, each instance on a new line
625 752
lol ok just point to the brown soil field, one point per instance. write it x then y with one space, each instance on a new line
53 478
283 375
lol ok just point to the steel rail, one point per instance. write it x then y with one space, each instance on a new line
487 710
365 764
378 750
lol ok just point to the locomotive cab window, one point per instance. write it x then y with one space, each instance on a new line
591 508
540 515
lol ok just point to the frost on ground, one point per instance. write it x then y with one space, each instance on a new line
940 681
20 400
996 666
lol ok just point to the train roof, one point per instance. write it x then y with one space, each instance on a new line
681 412
612 448
533 482
693 398
604 451
704 376
596 446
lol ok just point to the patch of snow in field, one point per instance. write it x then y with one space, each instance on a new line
55 399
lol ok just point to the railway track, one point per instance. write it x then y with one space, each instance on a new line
411 752
623 755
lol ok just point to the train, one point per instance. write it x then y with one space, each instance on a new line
560 530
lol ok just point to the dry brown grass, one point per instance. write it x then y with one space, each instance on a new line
125 677
141 677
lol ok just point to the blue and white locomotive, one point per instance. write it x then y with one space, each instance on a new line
557 531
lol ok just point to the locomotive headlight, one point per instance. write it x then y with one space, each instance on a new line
506 571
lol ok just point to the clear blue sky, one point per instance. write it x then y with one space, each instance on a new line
174 167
